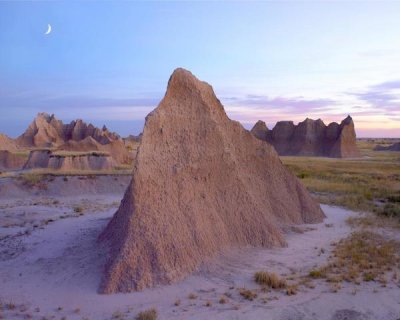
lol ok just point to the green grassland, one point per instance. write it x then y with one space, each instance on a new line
370 183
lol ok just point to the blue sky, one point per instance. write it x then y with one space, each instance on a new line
109 62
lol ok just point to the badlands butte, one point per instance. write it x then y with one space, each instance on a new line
196 218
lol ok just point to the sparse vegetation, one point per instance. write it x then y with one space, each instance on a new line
363 256
33 180
150 314
271 280
78 209
247 294
291 290
192 296
367 184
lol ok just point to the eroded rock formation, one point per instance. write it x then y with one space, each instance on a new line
201 183
46 131
310 138
69 162
11 161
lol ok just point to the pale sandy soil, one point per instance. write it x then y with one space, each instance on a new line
53 271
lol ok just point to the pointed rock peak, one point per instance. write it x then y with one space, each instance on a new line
160 235
347 120
104 128
44 115
260 124
184 82
182 76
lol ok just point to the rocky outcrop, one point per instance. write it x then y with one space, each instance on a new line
11 161
393 147
311 138
46 131
88 161
79 161
6 143
117 149
201 183
260 130
38 159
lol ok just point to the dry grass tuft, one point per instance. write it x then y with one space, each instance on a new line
222 300
291 290
192 296
247 294
268 279
150 314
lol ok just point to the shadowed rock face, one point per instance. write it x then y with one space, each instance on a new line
201 183
11 161
46 131
88 161
393 147
311 138
260 130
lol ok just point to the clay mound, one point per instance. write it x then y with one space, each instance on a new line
46 131
69 162
6 143
201 183
393 147
115 148
87 144
92 161
38 159
11 161
119 152
311 138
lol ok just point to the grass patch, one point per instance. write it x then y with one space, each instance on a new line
150 314
363 256
370 184
268 279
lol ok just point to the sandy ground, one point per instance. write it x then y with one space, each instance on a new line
51 265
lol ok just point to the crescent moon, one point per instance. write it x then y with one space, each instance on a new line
48 29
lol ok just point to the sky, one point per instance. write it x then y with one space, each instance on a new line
109 62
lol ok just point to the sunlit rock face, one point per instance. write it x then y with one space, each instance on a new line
201 184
